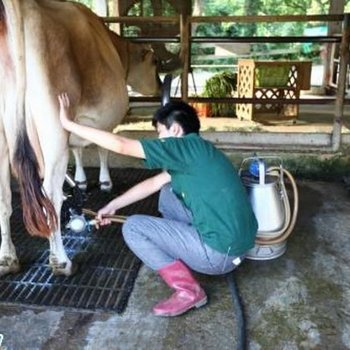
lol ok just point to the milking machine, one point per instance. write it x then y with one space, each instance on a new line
264 179
72 215
77 215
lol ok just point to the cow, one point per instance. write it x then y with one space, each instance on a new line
140 68
47 47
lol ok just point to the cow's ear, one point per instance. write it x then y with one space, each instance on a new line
146 49
145 52
151 58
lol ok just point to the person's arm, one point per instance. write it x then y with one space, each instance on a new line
108 140
134 194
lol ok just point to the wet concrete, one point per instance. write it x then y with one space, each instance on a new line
298 301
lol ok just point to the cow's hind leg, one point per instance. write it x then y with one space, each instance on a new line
104 177
8 257
79 176
53 182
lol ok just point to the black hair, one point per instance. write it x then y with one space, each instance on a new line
179 112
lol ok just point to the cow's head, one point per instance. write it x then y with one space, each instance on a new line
140 65
142 70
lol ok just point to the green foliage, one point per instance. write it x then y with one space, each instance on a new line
221 8
293 51
221 85
145 8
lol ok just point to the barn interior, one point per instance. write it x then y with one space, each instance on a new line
299 300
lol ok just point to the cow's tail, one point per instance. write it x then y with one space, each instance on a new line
39 213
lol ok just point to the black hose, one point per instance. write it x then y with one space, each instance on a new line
239 312
166 89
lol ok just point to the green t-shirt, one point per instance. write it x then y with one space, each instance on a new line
209 186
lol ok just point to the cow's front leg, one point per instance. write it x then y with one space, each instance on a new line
8 257
104 177
79 176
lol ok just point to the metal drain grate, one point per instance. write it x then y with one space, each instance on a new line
107 268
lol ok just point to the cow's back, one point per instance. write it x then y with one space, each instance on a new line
69 49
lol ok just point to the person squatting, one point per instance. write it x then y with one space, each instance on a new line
207 221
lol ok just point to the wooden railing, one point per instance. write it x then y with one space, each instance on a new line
185 40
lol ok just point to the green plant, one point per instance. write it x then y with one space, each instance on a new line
221 85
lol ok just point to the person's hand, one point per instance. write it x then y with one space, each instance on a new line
102 213
65 113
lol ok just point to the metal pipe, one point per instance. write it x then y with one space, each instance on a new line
141 19
267 39
247 39
235 19
266 19
145 39
301 101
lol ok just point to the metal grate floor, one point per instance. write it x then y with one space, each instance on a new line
107 268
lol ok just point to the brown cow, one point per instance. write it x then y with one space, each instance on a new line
140 71
47 47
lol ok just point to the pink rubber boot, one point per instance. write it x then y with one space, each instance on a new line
188 293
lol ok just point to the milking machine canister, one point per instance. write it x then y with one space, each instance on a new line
264 179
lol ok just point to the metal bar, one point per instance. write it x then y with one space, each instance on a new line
340 98
146 39
236 19
267 39
301 101
263 19
139 19
229 39
257 100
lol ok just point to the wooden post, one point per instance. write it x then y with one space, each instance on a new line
185 31
341 88
335 7
114 11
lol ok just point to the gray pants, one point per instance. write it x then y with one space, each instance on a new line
160 241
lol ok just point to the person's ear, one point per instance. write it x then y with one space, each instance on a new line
176 129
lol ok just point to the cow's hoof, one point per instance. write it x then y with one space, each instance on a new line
63 268
9 265
106 186
81 184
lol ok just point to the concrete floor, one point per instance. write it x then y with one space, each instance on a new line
298 301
